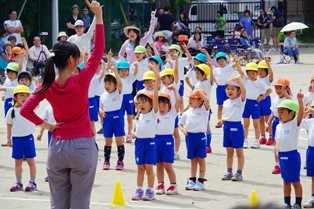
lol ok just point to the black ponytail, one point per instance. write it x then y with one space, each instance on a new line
61 52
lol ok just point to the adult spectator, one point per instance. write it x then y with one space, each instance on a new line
159 12
13 26
220 25
7 47
247 22
277 22
166 23
86 18
12 39
291 47
184 24
245 43
134 20
195 42
263 23
38 54
62 36
72 19
2 39
198 29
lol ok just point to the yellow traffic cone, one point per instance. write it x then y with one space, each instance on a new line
253 200
117 199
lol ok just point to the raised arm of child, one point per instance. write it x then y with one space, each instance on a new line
176 69
152 68
238 66
204 97
156 53
268 92
155 98
270 70
187 53
300 97
119 82
242 88
102 71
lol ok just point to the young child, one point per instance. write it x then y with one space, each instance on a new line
221 74
283 92
20 138
145 148
309 96
308 124
265 74
287 136
167 115
233 138
193 124
159 37
127 101
254 89
141 65
113 122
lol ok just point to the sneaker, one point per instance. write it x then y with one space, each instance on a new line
16 187
106 166
255 145
245 145
32 186
138 194
237 177
270 142
227 176
149 195
176 156
119 166
296 206
208 150
128 138
219 125
100 131
198 186
286 206
309 203
299 62
46 179
276 170
172 190
262 140
190 185
160 189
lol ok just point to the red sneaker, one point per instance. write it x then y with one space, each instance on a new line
160 189
270 142
208 150
219 125
276 170
262 140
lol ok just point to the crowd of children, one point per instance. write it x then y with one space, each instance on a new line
156 113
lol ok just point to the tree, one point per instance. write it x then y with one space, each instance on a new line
308 6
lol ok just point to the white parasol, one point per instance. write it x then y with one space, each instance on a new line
294 26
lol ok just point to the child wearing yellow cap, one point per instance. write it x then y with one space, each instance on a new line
20 138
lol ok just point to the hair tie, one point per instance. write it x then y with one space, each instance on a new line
52 54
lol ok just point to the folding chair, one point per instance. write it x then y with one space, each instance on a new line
233 46
220 45
284 57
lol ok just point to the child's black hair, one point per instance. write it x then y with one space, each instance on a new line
155 61
170 77
24 75
266 70
164 100
225 58
199 70
144 98
238 88
8 70
110 78
251 70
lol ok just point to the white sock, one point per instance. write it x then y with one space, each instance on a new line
277 164
257 140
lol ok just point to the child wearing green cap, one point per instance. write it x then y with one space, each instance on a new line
287 135
11 81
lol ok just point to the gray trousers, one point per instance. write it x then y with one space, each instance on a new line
71 168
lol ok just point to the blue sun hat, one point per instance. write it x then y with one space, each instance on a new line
221 54
201 57
123 65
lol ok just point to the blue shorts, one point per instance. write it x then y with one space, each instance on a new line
127 104
221 94
113 123
290 166
233 135
7 105
98 101
93 109
145 151
251 108
164 148
196 145
49 137
139 85
176 122
23 147
309 161
265 105
274 126
181 89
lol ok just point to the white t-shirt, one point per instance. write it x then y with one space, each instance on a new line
308 97
193 43
34 53
233 109
182 63
111 101
100 88
165 123
254 88
222 74
266 80
191 74
170 92
287 135
145 126
48 115
308 124
205 85
142 68
93 86
274 103
14 24
20 125
127 84
195 120
10 87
